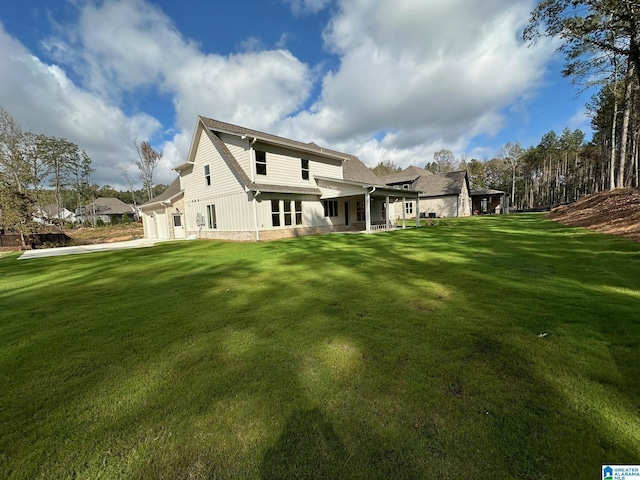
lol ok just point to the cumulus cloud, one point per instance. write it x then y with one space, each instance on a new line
412 77
121 49
43 99
420 72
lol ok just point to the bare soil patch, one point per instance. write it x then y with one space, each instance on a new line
616 212
106 234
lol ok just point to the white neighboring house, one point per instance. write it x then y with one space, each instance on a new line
242 184
49 215
441 195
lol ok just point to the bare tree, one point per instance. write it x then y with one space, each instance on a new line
124 169
148 159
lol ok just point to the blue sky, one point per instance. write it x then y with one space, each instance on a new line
382 79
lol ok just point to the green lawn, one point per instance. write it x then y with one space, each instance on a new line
410 354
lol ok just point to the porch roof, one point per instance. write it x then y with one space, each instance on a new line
378 190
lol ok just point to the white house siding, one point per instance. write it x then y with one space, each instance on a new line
284 167
234 212
239 148
223 181
335 190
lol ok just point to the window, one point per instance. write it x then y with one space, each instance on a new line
275 213
298 210
261 162
330 208
207 175
287 212
408 207
360 213
177 221
211 216
305 168
406 186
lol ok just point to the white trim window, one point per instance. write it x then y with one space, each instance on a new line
275 213
207 175
408 208
330 208
304 165
261 162
298 211
212 221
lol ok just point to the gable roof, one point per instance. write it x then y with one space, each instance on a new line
223 127
353 168
110 206
409 174
436 185
171 192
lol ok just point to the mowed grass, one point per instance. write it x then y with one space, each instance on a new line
409 354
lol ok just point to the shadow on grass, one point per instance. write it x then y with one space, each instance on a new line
406 354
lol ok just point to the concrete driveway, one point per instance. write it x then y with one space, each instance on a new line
100 247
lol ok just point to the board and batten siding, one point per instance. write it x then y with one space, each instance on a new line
234 212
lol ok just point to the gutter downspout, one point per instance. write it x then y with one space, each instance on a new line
255 213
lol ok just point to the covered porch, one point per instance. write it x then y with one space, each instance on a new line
364 207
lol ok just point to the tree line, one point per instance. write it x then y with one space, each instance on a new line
37 170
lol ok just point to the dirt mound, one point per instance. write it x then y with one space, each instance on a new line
616 212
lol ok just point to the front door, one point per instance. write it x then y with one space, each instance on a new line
346 213
178 229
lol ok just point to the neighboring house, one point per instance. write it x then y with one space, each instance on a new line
445 195
486 201
48 215
243 184
105 209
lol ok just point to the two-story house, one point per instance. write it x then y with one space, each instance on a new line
241 184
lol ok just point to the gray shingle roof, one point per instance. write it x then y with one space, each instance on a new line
171 191
409 174
438 185
353 169
109 206
218 126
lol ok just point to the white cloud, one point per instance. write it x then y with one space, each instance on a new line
120 49
414 76
43 99
426 71
304 7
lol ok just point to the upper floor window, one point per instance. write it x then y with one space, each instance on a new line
305 168
207 175
406 186
261 162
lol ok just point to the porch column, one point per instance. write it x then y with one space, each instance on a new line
417 210
367 211
386 206
404 213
